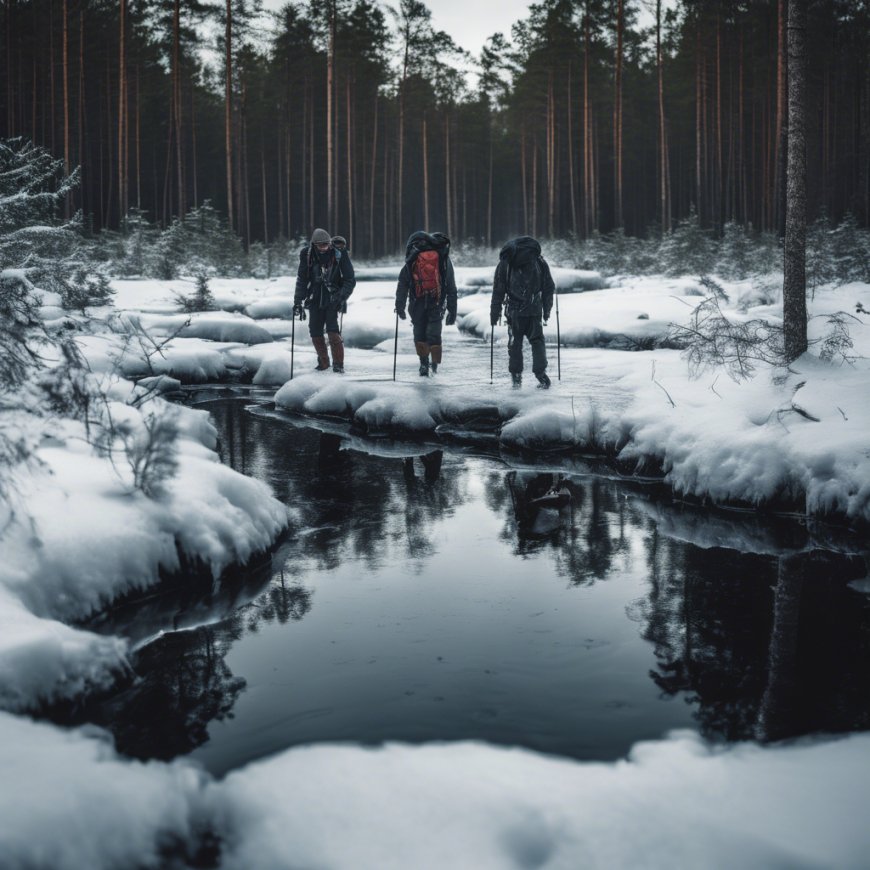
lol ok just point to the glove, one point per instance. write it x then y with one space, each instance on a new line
545 321
343 307
451 318
401 313
299 311
546 317
493 318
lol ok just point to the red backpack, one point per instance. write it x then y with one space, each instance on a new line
427 275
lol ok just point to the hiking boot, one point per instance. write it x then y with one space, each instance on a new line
434 367
517 380
321 367
424 368
338 369
543 380
319 343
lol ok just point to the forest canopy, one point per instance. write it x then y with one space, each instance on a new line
591 115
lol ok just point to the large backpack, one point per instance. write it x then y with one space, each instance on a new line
426 273
524 285
524 279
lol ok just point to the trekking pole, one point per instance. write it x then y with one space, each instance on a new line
491 350
292 343
558 338
396 346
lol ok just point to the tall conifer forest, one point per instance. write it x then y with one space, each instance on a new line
586 117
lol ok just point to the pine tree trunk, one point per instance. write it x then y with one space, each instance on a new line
663 150
489 190
349 151
330 118
524 178
372 180
794 299
587 132
265 198
425 176
780 142
122 86
699 149
66 156
572 183
617 116
447 174
551 168
179 127
228 111
138 145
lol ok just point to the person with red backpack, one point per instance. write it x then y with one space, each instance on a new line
427 278
324 282
524 285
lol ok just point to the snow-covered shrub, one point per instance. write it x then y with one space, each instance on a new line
201 299
850 248
735 252
712 340
821 268
687 249
85 290
207 245
33 235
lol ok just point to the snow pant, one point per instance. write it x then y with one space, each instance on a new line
427 332
520 327
318 320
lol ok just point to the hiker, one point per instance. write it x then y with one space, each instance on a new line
427 277
524 285
324 282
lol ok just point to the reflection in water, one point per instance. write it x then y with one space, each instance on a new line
763 648
761 644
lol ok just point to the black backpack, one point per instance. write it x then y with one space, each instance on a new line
524 275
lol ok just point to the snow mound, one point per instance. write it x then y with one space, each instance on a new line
275 306
226 327
676 802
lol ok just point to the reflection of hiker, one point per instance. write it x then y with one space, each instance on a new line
431 463
524 285
538 504
324 282
428 277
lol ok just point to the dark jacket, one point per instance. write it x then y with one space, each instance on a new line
517 253
421 241
323 279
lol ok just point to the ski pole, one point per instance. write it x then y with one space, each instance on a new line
491 350
292 343
396 346
558 338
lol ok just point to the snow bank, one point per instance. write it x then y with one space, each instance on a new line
75 804
88 537
674 803
797 438
388 408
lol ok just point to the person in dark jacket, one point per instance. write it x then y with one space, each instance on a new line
324 282
524 286
427 278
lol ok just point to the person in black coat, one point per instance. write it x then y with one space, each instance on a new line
524 286
427 278
324 282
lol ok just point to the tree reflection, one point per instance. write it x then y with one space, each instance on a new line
763 647
185 684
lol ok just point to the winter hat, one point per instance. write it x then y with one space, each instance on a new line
320 236
339 242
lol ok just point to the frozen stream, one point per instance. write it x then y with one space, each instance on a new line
425 596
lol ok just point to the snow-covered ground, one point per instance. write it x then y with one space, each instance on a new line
85 536
673 803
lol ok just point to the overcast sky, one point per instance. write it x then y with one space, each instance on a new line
469 22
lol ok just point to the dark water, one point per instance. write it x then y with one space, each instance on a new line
432 597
